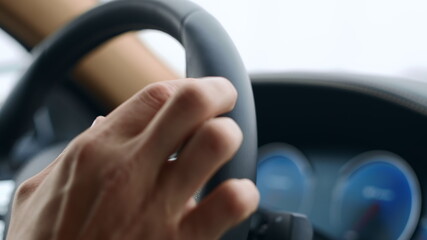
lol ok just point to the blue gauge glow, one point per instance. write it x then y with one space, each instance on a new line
378 198
283 178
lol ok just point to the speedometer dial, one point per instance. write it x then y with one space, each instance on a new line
378 197
284 178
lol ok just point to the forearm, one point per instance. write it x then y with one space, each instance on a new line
123 60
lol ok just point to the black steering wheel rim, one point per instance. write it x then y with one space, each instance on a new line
209 52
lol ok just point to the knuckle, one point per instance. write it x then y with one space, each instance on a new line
229 87
204 97
117 175
25 189
222 135
85 147
98 120
227 90
239 203
195 98
156 94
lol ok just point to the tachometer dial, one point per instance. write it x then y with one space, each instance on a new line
284 178
378 198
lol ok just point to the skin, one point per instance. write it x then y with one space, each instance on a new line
114 180
124 57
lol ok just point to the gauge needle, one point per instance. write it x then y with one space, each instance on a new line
366 217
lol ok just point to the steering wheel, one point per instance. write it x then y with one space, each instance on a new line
209 52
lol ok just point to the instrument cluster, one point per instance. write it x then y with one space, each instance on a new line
373 195
346 150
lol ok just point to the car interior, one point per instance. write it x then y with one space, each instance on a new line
339 153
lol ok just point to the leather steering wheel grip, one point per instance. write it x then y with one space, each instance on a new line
209 52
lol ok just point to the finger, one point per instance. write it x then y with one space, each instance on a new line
131 117
229 204
192 105
212 145
190 205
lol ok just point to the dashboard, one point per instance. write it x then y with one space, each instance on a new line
348 151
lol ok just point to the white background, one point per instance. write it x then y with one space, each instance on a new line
370 36
384 37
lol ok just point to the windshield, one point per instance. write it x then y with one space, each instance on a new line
12 58
383 37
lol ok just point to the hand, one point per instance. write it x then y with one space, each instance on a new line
114 180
